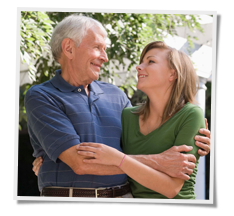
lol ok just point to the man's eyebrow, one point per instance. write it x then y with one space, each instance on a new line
99 44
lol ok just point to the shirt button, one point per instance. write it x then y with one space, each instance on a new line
79 90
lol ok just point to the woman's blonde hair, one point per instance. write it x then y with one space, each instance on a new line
185 86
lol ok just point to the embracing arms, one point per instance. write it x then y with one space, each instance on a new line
171 161
144 175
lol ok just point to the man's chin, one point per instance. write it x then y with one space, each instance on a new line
96 75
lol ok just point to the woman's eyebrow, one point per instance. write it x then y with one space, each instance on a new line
151 56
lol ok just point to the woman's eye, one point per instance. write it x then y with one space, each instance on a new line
151 61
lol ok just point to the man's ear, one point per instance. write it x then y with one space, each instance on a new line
68 47
172 75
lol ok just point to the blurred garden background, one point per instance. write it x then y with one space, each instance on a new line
128 33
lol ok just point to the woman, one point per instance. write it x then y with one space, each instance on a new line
168 118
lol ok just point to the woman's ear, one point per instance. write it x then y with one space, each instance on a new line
172 75
68 47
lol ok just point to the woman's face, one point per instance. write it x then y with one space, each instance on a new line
154 72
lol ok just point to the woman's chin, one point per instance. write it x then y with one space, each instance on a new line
139 87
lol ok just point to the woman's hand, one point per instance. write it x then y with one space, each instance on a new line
37 164
100 154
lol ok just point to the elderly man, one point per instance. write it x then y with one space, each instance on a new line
73 107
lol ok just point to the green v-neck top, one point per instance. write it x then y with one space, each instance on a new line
180 129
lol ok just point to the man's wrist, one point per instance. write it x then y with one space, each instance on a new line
149 160
154 161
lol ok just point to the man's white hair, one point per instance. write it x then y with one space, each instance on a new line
74 27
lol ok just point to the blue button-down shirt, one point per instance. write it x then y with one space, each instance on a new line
61 116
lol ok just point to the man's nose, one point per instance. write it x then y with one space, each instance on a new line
104 56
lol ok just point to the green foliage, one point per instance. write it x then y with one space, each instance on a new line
35 31
128 34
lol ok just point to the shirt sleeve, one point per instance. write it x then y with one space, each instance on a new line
128 104
50 130
189 128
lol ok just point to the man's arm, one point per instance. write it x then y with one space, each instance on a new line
75 162
172 161
57 136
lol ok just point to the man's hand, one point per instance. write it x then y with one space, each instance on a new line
37 164
174 163
203 142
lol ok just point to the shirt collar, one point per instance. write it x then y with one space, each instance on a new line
95 88
59 83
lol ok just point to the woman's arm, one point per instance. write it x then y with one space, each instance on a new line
146 176
152 179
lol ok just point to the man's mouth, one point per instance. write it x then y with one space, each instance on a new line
96 65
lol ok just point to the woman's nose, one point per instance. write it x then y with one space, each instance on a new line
139 68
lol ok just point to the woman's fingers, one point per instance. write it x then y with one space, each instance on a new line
86 148
96 145
36 168
36 161
90 161
87 153
36 165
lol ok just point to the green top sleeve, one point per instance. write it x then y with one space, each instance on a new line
189 128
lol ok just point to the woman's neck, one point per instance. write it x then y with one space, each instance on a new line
158 101
157 105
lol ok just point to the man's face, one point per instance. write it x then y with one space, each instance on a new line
89 56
